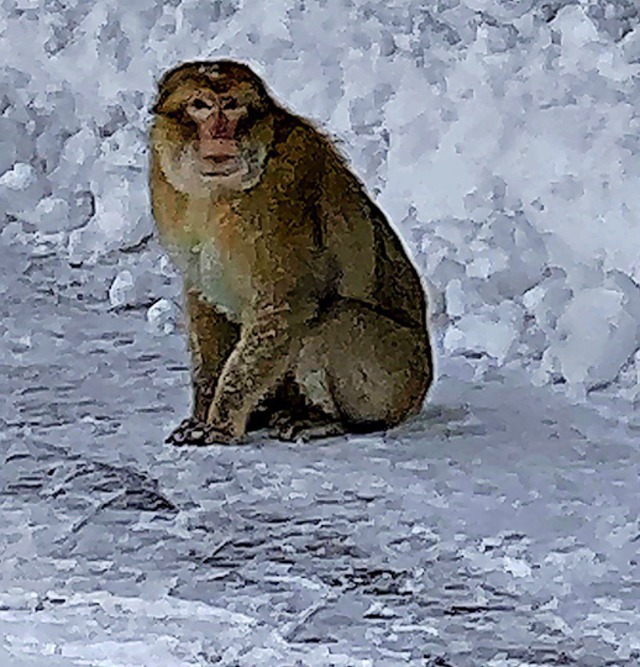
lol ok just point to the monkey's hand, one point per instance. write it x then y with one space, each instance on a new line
195 432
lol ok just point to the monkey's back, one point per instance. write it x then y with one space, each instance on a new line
372 264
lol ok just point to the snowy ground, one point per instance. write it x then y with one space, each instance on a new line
500 528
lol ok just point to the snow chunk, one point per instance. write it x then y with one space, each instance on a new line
517 567
576 28
493 331
162 317
19 178
455 298
122 290
596 335
76 160
547 300
121 220
20 187
51 215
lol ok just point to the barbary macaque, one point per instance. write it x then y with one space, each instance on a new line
304 312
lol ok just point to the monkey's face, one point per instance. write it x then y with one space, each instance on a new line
216 120
211 132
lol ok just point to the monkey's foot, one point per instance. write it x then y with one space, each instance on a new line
193 431
293 430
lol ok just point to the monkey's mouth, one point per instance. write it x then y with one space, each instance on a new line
222 165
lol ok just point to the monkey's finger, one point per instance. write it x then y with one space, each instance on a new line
189 432
215 436
177 436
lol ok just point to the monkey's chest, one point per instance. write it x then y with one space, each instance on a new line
216 258
219 279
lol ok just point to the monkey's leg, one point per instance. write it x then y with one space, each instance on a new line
280 405
211 338
363 370
379 370
318 417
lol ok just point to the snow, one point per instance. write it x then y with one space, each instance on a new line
595 337
498 528
162 316
20 177
122 289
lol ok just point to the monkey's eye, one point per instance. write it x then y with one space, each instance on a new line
200 104
228 103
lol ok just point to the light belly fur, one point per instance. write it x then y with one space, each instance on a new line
200 259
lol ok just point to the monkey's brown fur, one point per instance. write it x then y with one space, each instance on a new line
304 309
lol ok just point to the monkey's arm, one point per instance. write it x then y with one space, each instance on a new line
289 276
211 339
259 360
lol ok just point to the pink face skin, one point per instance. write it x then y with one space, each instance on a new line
216 119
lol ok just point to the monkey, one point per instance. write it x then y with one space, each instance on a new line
305 313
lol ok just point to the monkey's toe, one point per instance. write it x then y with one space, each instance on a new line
215 436
190 431
196 432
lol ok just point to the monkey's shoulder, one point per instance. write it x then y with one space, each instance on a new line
298 151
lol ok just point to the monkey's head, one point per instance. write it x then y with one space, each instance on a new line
212 127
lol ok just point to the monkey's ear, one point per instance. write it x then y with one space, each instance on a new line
158 104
